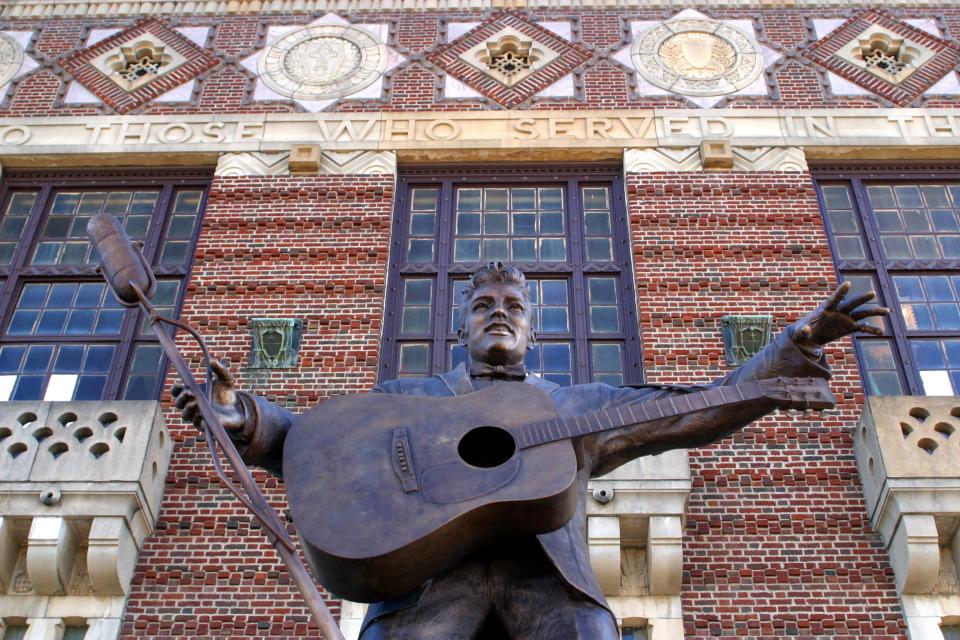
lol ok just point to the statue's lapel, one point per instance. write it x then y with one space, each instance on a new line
457 381
545 385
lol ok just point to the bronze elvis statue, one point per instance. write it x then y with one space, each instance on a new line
540 587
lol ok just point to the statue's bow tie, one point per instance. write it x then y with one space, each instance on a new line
499 371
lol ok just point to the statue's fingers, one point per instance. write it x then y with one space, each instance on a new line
867 312
183 398
176 389
189 411
804 332
868 328
848 305
223 373
837 295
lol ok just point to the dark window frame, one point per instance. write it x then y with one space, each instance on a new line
883 271
573 178
18 273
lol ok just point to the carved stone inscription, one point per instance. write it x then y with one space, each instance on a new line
493 130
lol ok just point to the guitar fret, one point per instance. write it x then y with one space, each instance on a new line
638 412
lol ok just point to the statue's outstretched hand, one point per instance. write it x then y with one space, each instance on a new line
225 402
837 317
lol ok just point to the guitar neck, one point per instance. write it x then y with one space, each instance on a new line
537 433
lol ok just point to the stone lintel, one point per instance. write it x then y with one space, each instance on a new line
767 139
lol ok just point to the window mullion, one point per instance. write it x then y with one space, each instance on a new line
161 218
576 235
632 370
390 356
444 287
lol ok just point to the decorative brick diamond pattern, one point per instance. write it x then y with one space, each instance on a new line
946 56
80 66
570 56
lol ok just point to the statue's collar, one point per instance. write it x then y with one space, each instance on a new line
458 381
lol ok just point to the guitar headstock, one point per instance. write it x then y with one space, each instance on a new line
798 393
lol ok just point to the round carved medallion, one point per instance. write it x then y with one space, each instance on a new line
322 62
697 57
11 58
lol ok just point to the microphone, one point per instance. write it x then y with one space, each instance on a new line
121 262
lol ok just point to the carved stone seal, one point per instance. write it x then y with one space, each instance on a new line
11 58
697 57
323 62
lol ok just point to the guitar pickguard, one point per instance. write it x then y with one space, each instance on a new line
453 482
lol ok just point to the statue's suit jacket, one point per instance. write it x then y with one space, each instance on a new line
601 452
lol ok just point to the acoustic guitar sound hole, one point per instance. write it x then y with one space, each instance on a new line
486 447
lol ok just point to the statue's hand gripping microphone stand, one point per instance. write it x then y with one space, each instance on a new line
133 283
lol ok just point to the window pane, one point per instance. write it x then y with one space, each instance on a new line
928 302
74 632
56 371
414 359
66 309
164 301
938 363
13 222
417 306
144 374
498 223
15 632
551 361
951 632
63 239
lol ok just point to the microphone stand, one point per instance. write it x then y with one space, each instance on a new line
251 496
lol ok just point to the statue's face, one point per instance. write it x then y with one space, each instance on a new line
497 325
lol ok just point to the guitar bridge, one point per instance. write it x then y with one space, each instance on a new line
403 460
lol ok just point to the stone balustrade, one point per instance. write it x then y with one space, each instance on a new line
81 485
908 454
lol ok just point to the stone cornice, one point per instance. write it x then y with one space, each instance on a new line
864 134
104 8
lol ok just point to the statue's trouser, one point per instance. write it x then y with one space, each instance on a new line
516 584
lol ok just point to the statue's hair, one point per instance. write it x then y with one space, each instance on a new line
492 272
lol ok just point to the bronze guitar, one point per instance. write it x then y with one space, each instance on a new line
417 482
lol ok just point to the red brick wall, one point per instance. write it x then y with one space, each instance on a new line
777 542
604 81
313 248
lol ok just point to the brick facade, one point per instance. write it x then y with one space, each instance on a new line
777 540
311 248
601 82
